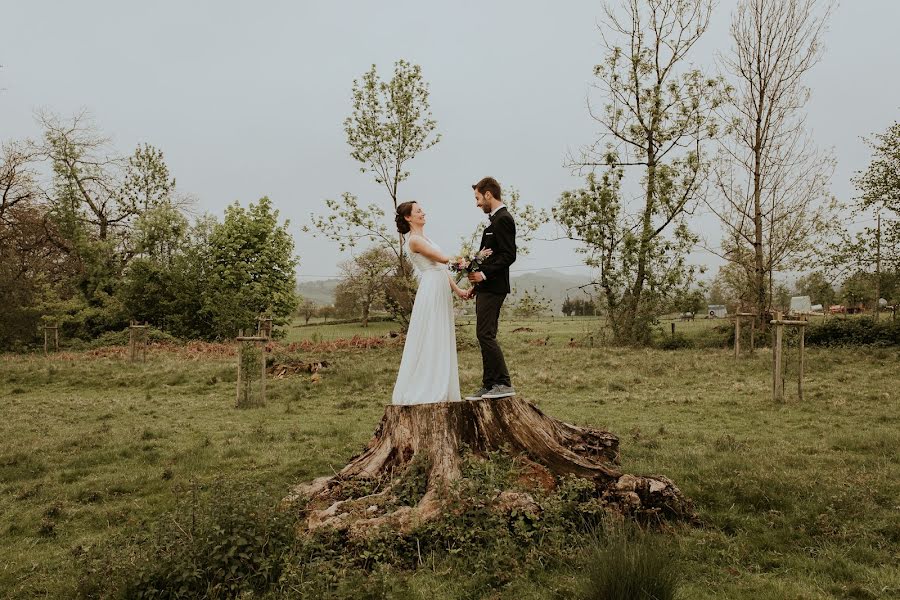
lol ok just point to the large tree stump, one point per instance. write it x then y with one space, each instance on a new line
439 435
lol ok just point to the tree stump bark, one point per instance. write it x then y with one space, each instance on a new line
437 436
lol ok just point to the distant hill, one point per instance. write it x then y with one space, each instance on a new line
320 292
552 285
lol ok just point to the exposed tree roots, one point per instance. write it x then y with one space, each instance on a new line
427 443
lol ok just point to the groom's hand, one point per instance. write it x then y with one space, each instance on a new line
476 277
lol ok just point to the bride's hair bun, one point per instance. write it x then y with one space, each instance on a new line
404 210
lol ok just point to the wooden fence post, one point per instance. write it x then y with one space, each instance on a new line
778 356
778 380
47 329
752 334
137 341
737 335
245 375
800 370
264 326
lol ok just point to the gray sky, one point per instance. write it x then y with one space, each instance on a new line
248 99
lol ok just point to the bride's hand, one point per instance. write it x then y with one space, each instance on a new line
463 294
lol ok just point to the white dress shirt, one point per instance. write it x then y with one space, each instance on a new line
493 212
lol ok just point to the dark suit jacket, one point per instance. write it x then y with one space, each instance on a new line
500 236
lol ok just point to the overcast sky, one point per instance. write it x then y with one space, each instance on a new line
248 98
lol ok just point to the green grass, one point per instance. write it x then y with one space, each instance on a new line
798 500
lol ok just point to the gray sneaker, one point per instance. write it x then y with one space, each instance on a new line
478 395
500 391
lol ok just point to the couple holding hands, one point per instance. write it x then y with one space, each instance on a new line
429 369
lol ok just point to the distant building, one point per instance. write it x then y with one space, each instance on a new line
801 305
716 311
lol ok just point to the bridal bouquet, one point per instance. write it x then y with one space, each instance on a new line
468 262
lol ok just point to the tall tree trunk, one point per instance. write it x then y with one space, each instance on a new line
635 328
759 280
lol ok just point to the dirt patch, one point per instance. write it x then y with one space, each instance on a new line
356 342
288 368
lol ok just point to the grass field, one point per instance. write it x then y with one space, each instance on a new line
799 500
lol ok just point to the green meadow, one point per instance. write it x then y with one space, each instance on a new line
795 500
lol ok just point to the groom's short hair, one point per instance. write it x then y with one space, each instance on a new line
488 184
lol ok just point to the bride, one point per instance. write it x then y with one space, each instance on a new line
429 369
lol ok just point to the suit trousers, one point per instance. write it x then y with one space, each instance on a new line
487 318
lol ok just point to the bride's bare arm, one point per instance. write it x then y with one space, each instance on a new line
419 246
456 289
429 252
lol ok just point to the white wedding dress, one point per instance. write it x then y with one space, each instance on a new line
429 370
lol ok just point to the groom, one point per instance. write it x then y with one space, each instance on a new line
490 286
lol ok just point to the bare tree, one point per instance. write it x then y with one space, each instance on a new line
86 173
17 176
771 182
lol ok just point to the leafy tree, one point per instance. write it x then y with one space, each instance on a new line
858 288
35 273
390 124
880 182
578 307
817 287
365 278
781 297
160 232
876 247
528 220
692 300
732 285
346 300
656 119
531 304
251 269
164 285
307 309
147 183
326 312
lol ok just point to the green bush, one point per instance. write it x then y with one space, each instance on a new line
854 332
218 543
674 342
122 337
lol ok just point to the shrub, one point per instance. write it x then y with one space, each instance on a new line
218 543
122 337
854 332
674 342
